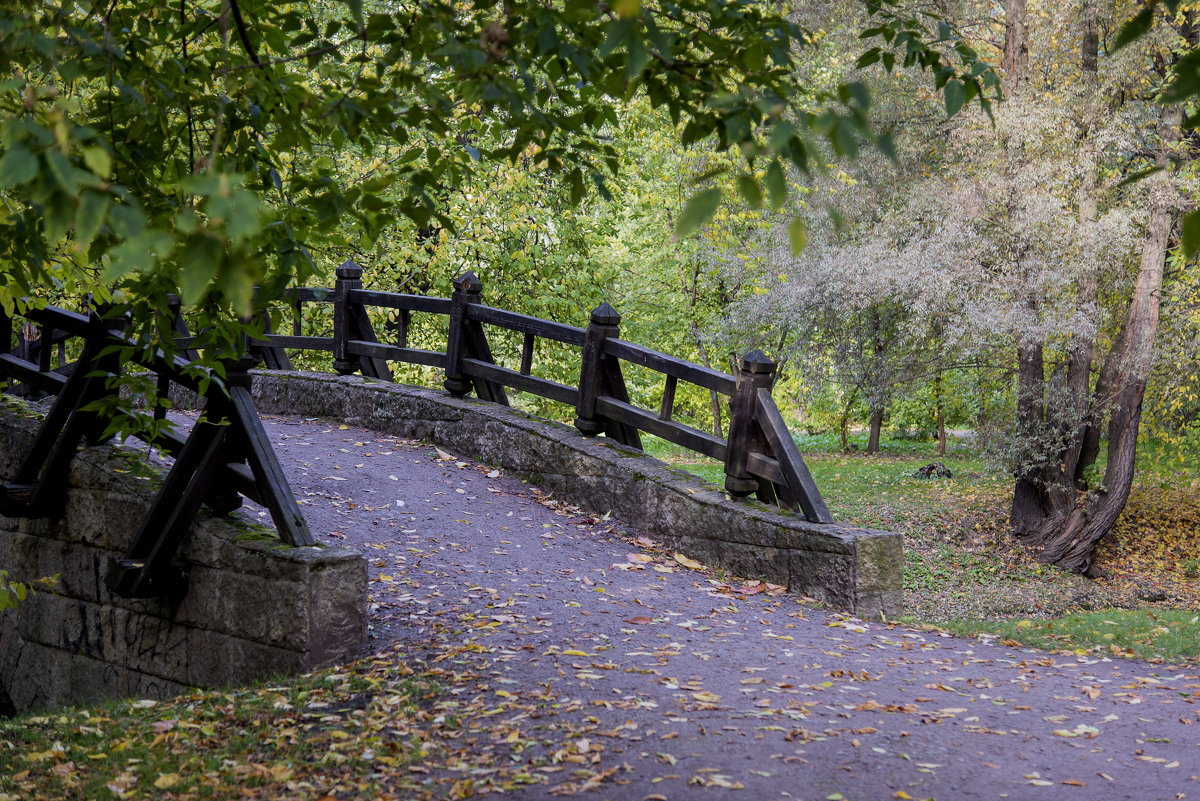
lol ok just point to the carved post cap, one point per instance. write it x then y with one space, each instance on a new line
758 362
604 314
468 282
349 270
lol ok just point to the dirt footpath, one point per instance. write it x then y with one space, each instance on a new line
583 658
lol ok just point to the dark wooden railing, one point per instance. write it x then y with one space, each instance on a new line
226 455
760 456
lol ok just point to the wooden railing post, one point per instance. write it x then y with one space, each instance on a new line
757 372
467 289
6 338
604 323
349 276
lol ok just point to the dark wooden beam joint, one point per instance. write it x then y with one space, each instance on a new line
467 289
348 276
604 323
757 372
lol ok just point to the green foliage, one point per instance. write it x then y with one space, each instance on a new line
1159 635
13 592
221 145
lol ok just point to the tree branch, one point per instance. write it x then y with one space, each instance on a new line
240 24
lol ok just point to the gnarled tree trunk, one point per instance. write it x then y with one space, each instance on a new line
1068 534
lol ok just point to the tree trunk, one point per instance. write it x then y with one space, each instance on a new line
846 421
876 427
941 414
1029 506
1068 538
1016 47
1077 458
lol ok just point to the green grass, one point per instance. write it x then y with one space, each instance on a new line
961 572
877 491
1166 635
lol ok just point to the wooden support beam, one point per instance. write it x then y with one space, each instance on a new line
667 408
527 353
148 569
467 288
757 371
791 463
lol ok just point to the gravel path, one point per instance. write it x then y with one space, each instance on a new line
583 658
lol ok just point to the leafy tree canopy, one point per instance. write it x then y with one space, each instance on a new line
200 147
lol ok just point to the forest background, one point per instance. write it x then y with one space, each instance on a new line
851 192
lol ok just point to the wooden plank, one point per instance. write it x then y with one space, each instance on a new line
514 321
395 353
479 349
397 300
466 287
763 466
799 480
670 365
299 343
541 387
50 382
527 354
688 437
233 474
272 484
401 324
667 409
303 294
274 357
364 331
613 385
73 322
144 572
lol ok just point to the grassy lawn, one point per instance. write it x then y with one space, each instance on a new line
964 573
347 731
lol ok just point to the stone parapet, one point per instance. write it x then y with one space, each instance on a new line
851 568
254 607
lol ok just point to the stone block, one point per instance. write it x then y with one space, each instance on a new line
337 608
219 660
825 576
77 567
250 607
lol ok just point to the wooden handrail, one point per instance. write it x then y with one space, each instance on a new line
760 456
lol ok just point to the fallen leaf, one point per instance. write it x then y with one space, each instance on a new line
166 781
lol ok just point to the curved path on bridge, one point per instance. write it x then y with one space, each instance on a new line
583 658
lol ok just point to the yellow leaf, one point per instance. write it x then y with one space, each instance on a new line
166 781
688 563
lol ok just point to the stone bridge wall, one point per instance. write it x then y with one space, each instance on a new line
850 568
254 606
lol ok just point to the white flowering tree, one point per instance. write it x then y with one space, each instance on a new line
1034 238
